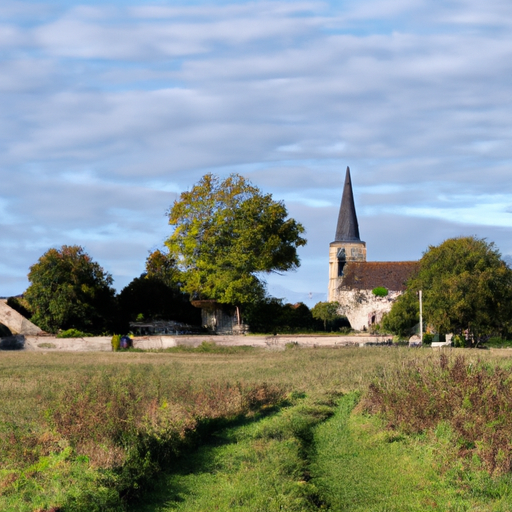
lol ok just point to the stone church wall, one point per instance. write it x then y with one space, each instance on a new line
362 308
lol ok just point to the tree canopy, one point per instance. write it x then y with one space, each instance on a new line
156 294
162 267
326 311
466 287
153 299
227 234
270 315
69 290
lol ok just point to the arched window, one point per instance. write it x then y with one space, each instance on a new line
342 259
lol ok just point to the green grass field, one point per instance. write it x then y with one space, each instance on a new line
246 430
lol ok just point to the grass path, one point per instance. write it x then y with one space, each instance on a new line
318 455
359 466
259 465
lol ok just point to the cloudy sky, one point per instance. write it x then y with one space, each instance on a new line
110 108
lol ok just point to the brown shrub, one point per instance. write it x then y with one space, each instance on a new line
473 397
103 416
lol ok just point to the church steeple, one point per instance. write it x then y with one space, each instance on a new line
347 246
347 229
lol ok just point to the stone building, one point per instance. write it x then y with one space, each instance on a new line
15 322
219 318
352 279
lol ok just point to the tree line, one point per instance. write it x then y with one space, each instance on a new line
69 290
226 237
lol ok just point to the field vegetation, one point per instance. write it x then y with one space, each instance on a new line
249 429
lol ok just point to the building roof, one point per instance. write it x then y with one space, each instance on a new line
347 229
367 275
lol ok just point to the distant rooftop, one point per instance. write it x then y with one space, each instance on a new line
368 275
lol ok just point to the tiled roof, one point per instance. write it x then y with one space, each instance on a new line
367 275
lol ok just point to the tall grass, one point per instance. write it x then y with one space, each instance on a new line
88 431
359 466
474 398
122 422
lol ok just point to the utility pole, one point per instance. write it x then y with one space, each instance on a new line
421 318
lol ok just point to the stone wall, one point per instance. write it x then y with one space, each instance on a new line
49 343
363 308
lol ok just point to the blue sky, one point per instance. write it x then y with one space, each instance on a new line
110 109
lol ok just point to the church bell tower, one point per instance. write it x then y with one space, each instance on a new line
347 245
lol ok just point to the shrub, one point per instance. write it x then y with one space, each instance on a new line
428 339
474 398
74 333
380 291
129 427
270 315
459 341
210 348
116 342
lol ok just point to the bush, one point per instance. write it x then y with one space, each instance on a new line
210 347
74 333
380 291
459 341
499 342
474 398
270 315
116 342
129 428
428 339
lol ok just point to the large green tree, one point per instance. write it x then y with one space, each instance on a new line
227 236
69 290
326 311
466 287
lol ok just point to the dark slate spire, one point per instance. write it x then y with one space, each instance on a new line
347 229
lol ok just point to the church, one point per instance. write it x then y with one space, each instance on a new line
360 286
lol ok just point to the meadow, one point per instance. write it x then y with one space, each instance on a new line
377 428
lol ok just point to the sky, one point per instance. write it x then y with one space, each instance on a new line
110 109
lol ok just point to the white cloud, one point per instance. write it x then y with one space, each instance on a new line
109 111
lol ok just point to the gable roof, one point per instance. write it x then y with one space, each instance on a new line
347 229
367 275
